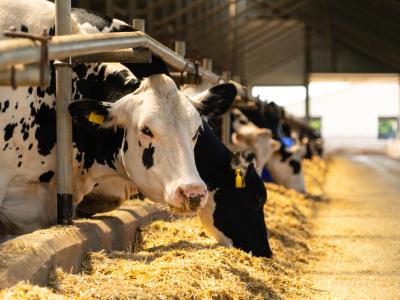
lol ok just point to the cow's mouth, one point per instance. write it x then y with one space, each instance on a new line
189 206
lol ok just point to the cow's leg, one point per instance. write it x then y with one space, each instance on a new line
26 208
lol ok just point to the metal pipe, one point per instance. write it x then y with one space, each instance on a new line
137 55
24 75
139 24
22 51
64 123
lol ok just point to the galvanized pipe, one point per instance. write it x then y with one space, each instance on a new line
64 123
22 51
137 55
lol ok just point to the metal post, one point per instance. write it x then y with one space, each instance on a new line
180 48
139 24
64 124
207 64
307 67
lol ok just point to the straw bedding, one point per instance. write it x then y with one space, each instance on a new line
178 260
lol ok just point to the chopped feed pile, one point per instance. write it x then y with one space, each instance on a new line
178 260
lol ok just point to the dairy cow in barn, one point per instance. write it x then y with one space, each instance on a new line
233 215
282 162
143 131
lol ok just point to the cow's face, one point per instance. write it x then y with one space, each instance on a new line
235 216
285 167
161 127
258 140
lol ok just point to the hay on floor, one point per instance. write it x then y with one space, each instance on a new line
178 260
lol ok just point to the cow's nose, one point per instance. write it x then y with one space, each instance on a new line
193 196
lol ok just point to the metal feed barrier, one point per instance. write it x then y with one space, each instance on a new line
34 53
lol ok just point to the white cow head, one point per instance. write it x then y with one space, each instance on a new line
285 167
258 140
161 126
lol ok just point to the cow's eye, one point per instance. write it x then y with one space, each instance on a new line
197 134
146 130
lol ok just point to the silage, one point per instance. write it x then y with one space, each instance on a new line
178 260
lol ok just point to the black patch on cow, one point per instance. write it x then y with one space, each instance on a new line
81 70
104 87
101 146
30 90
30 146
142 70
78 157
5 147
295 165
24 28
9 131
147 158
284 154
218 101
20 164
6 104
25 131
125 145
45 119
46 177
40 92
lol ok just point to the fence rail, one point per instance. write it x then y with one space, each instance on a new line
24 51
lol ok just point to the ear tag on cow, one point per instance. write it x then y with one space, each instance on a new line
96 118
239 180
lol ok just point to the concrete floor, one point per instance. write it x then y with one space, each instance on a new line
361 227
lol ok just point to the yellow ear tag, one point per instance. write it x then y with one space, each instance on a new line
239 180
95 118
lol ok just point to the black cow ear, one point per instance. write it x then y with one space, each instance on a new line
90 114
216 100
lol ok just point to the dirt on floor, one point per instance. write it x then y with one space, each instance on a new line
178 260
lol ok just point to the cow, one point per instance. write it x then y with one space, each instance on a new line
141 130
233 215
258 140
282 161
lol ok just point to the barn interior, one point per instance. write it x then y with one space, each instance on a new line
330 70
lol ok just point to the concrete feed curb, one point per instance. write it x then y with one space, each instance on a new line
31 257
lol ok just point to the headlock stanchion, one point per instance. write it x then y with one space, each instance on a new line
64 122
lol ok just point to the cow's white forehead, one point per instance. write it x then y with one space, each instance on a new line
161 98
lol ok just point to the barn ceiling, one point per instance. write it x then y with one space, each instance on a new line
257 38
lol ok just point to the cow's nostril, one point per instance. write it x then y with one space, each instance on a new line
194 202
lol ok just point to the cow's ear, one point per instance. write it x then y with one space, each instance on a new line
90 114
276 145
216 100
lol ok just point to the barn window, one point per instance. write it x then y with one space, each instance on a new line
316 124
387 127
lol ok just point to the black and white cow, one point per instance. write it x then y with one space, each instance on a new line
143 131
233 215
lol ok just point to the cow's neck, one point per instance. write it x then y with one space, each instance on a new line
214 168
